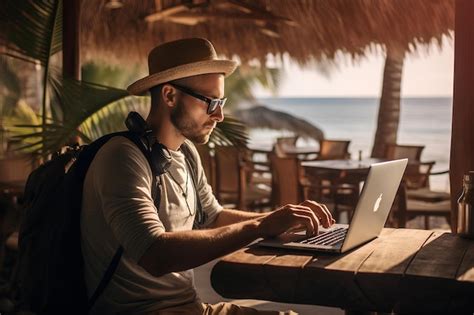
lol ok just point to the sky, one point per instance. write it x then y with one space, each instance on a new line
423 75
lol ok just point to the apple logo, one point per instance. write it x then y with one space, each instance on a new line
377 203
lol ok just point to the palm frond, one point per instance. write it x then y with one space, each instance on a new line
111 119
113 76
78 101
230 132
9 87
32 29
239 86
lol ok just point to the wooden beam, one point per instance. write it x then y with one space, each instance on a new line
158 5
165 13
71 39
462 137
254 17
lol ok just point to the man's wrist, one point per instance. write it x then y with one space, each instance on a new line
252 227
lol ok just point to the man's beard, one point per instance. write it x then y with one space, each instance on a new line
189 128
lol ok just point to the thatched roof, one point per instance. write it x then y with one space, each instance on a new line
306 30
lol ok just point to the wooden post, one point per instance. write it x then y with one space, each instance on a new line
462 138
71 39
72 45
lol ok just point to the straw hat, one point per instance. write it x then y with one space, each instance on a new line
179 59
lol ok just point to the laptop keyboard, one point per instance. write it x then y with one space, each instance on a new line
329 238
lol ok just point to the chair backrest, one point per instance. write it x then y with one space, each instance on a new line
417 173
287 141
279 150
283 143
227 168
208 164
333 149
395 151
286 174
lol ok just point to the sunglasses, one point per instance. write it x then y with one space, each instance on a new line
212 103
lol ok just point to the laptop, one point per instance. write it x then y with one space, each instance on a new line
369 217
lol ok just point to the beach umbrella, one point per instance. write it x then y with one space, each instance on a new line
263 117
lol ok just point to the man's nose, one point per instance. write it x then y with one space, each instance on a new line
218 114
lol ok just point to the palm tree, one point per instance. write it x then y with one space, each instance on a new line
389 108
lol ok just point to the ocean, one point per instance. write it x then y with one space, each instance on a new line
423 121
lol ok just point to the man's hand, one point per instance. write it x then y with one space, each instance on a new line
308 215
321 211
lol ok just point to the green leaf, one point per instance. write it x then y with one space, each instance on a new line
230 132
111 119
9 87
32 29
78 101
239 86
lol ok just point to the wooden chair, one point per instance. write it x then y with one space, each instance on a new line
395 151
415 197
233 185
208 163
14 172
279 151
333 149
339 196
326 187
417 173
287 180
287 141
409 208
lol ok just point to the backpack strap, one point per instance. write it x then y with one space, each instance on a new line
157 197
191 161
105 278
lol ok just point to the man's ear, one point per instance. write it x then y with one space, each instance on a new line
168 95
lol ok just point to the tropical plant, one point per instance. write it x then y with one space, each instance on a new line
32 31
239 86
10 89
13 108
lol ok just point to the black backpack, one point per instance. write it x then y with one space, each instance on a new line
50 278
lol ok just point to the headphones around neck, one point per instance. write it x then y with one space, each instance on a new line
160 155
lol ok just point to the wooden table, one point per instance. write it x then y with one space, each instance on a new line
335 174
403 270
339 171
296 151
342 165
289 150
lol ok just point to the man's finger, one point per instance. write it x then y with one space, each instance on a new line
311 228
322 212
332 219
306 211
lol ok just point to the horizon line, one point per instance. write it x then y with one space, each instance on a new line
358 96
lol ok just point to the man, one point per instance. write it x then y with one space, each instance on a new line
155 274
